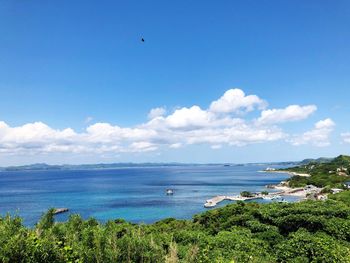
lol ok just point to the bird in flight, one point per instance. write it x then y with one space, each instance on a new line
142 39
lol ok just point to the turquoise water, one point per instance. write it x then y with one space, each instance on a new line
134 194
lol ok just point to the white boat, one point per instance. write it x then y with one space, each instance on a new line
209 204
282 201
276 197
268 197
169 191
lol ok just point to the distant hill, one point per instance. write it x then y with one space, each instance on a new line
36 166
326 165
342 159
46 167
333 173
318 160
340 162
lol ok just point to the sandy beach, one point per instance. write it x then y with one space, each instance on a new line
287 172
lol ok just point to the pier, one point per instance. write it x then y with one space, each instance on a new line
60 210
217 199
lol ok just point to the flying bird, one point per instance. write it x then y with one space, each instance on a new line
142 39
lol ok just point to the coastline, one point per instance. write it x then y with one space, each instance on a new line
284 190
286 172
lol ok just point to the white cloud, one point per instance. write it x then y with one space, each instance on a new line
143 146
214 126
238 135
100 137
105 132
346 137
290 113
319 136
325 124
156 112
234 100
189 118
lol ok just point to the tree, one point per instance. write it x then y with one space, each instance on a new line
246 194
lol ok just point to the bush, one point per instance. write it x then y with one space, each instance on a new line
246 194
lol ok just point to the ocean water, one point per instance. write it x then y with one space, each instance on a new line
136 194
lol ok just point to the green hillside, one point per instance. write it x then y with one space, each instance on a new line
342 160
327 174
318 160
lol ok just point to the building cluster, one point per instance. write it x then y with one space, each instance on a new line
342 171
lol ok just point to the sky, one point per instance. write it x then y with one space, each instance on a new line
214 81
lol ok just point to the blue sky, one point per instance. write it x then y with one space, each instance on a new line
69 65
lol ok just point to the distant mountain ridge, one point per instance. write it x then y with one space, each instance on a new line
49 167
341 159
46 167
318 160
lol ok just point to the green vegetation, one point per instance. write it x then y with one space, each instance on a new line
319 180
342 196
310 231
326 174
318 160
247 194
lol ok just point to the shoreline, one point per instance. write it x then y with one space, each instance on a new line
283 191
286 172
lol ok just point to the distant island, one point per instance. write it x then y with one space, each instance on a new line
47 167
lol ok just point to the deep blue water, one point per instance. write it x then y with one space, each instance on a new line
135 194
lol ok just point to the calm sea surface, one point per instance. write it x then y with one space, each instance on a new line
135 194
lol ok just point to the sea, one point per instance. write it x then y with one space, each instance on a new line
136 194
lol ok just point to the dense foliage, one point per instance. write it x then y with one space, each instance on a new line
327 174
310 231
319 180
247 194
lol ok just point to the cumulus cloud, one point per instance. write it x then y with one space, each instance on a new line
98 138
290 113
346 137
238 135
234 100
318 136
143 146
189 118
215 126
156 112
